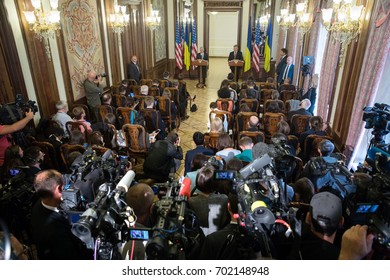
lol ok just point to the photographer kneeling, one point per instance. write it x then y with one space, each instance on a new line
6 130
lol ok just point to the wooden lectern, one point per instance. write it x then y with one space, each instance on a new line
203 68
236 63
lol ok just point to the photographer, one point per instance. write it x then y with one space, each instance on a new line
93 90
6 130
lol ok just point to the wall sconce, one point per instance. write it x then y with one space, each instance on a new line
44 25
120 19
153 21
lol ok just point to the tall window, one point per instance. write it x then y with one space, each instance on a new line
321 43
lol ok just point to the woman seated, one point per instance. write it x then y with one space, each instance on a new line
315 127
225 147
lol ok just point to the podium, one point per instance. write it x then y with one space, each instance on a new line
202 64
236 63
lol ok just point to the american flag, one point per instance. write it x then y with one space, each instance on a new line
178 48
194 49
256 48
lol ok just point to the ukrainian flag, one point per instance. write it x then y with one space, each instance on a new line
187 54
248 51
268 47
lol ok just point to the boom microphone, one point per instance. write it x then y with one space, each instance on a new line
185 188
125 182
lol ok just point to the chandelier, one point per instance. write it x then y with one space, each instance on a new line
285 19
264 22
119 20
301 19
44 25
153 21
344 21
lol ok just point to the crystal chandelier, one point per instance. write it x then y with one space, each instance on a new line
153 21
44 25
285 19
301 19
344 21
264 22
119 20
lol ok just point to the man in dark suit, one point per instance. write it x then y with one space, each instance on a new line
235 55
203 56
281 65
288 71
51 230
198 138
133 70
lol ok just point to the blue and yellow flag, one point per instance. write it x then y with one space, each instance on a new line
268 47
187 54
248 51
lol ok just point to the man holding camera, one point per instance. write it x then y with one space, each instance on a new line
5 130
93 90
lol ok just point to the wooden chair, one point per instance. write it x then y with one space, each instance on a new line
123 114
287 87
279 103
266 94
211 140
132 82
164 106
120 100
265 85
175 96
135 138
252 103
310 147
155 92
222 115
50 160
147 82
256 136
289 94
270 122
225 104
110 136
241 121
74 125
49 127
136 89
299 124
152 120
104 110
65 150
163 84
100 150
86 110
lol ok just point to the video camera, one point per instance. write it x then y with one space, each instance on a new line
103 75
107 220
378 118
13 112
176 234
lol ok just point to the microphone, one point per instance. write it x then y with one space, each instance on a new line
185 188
125 182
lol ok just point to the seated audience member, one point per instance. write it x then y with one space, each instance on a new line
174 112
105 129
325 149
107 99
303 106
245 144
216 125
283 127
33 158
197 162
253 123
149 102
144 90
198 138
303 192
140 198
325 217
164 157
275 95
156 84
51 230
166 77
315 127
311 94
356 243
77 138
184 96
56 136
209 207
225 147
96 139
273 107
13 163
251 91
224 91
79 116
215 246
62 116
213 109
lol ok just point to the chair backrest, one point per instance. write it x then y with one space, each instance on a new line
154 91
289 94
147 82
66 149
270 123
256 136
100 150
104 110
279 104
299 124
310 147
110 136
151 117
86 110
242 119
287 87
266 94
211 140
119 100
73 125
253 103
50 160
265 85
225 104
132 82
175 96
164 106
136 89
135 138
222 115
164 84
124 115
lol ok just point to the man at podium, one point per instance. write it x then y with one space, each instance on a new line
202 55
235 55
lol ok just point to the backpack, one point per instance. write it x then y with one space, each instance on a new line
194 108
237 246
333 175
